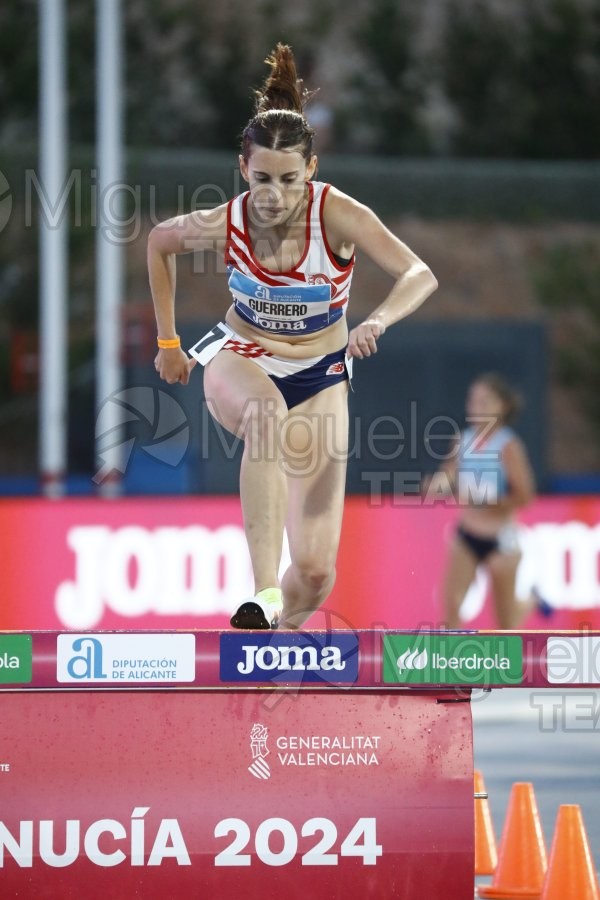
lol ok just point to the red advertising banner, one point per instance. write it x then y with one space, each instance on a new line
272 661
239 763
231 794
183 563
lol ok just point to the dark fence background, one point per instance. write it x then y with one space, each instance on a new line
399 422
170 180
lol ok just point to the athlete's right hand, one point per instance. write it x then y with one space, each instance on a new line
174 365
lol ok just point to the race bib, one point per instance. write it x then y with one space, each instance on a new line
300 308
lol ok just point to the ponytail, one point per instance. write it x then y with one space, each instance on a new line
279 122
282 89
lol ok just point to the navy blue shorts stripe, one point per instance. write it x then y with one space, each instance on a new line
302 385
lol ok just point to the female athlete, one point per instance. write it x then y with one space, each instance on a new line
277 368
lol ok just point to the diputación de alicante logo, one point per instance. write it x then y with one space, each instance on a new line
456 659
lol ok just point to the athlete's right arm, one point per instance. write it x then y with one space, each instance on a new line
203 230
443 482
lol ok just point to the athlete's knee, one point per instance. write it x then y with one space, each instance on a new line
315 573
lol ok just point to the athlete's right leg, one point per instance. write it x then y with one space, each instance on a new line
460 572
244 400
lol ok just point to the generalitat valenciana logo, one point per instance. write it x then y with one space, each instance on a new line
259 767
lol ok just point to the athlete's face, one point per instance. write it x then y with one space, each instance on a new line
277 179
482 401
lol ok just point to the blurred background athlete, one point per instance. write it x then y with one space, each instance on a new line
490 476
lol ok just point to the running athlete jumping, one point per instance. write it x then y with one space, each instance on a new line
276 370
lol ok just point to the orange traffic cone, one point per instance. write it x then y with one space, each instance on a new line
486 855
571 874
522 854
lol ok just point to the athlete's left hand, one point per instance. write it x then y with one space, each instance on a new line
362 340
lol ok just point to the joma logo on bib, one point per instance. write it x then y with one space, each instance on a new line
276 325
283 658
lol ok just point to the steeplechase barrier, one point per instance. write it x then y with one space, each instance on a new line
328 764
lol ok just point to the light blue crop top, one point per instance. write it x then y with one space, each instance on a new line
481 464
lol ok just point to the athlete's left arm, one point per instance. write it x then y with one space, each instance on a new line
519 476
351 223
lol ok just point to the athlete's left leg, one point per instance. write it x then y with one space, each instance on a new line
502 568
315 452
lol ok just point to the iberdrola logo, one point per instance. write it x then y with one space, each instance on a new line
448 658
412 659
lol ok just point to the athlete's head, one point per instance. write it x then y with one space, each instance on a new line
277 156
279 122
491 395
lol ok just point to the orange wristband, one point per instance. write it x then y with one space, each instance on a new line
169 343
